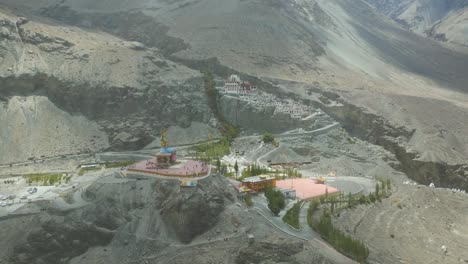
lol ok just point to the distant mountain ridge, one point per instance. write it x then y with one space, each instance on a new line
443 20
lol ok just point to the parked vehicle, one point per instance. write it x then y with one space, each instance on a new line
32 190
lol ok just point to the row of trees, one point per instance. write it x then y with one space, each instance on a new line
118 164
344 243
253 170
292 216
85 170
212 150
48 179
292 173
313 206
382 190
276 200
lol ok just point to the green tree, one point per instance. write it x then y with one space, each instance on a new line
377 194
212 93
268 138
248 200
276 200
218 164
322 199
268 191
236 168
350 200
389 185
332 205
383 191
313 205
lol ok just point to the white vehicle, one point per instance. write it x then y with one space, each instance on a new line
3 204
10 202
32 190
4 197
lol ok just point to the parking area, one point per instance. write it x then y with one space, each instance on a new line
353 185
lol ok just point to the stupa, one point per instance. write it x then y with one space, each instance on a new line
167 156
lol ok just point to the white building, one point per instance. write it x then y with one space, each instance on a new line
234 85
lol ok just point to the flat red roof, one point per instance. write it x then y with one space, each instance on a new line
305 188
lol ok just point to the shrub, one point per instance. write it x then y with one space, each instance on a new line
248 200
268 138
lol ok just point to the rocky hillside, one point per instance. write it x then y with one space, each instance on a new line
443 20
65 90
130 218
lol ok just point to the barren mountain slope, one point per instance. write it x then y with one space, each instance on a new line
443 20
65 90
294 40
